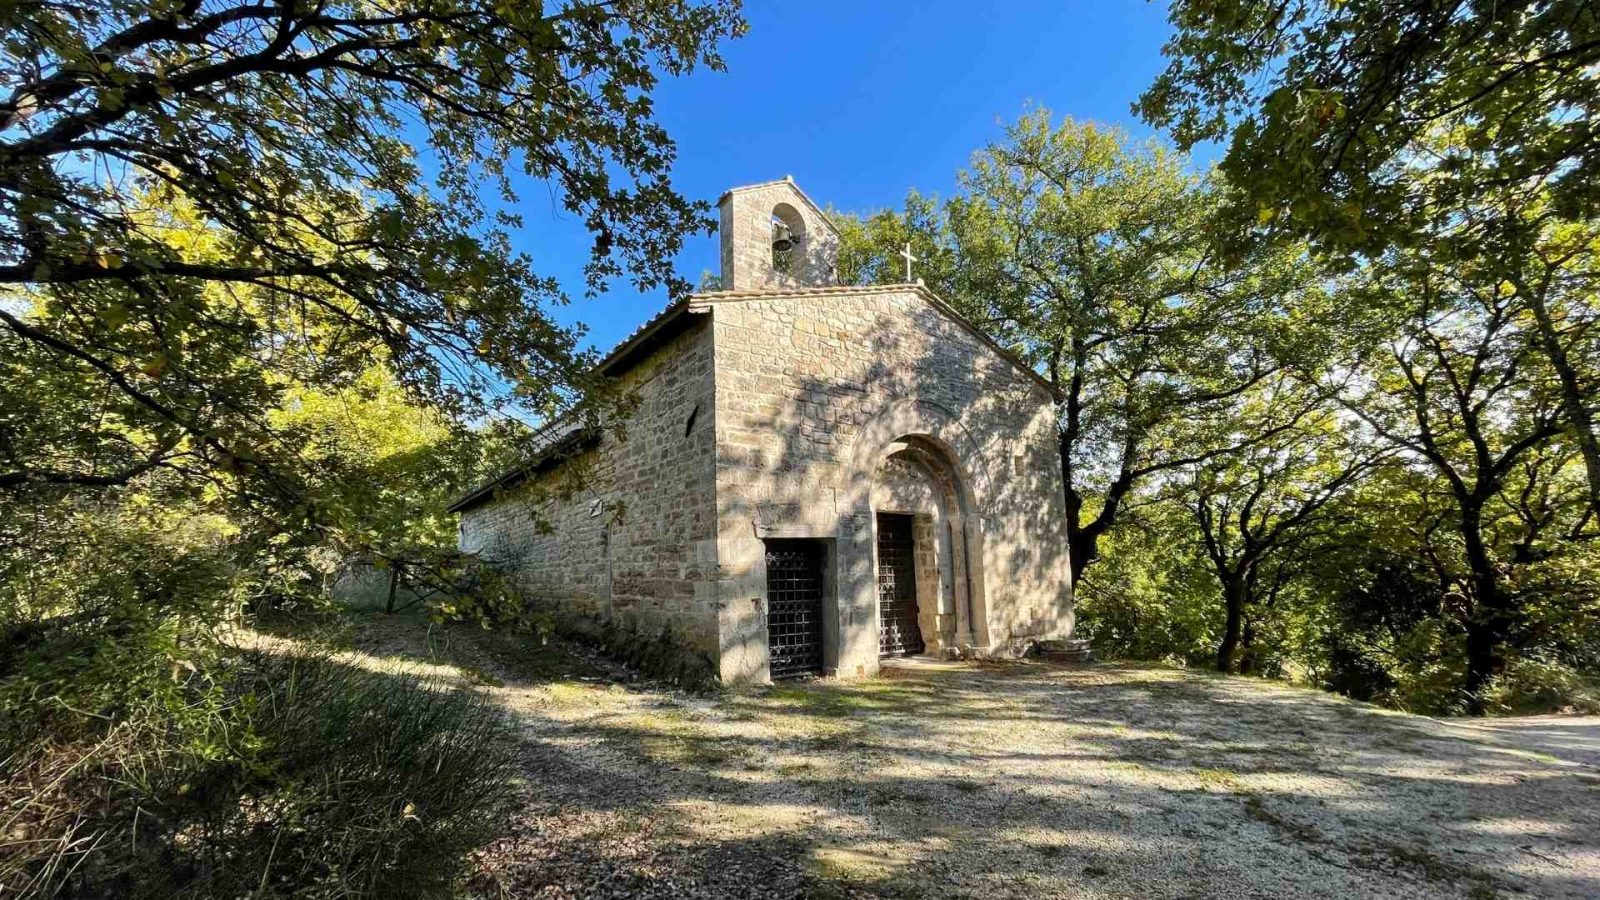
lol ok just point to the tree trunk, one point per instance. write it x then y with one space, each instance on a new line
1247 650
1080 546
1488 625
394 584
1081 550
1233 597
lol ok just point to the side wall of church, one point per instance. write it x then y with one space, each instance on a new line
806 382
626 531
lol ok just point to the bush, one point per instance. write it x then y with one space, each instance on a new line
292 776
1540 683
489 597
1148 600
101 614
1357 674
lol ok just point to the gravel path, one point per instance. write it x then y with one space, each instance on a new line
1574 739
1016 780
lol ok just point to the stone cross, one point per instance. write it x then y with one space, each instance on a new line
906 254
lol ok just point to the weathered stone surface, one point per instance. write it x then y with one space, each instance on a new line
748 215
829 387
814 408
624 532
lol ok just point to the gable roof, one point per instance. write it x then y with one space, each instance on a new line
552 445
561 438
672 320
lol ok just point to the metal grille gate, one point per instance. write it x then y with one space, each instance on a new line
794 607
898 632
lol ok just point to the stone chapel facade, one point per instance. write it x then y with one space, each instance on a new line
814 477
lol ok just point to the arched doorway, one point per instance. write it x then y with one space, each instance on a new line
911 457
923 556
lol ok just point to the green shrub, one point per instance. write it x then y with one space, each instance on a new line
103 613
289 776
1428 664
1147 599
1540 683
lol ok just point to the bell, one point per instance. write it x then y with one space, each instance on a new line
782 241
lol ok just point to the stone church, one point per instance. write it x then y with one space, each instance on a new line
814 477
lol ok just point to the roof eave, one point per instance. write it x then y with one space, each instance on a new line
664 326
544 460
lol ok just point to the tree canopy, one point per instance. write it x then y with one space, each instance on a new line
1451 128
198 199
1263 440
1089 254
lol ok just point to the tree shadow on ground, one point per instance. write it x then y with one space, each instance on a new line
1016 780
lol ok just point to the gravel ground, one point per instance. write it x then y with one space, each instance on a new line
1015 780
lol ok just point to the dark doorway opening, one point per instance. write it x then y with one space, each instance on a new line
898 631
795 588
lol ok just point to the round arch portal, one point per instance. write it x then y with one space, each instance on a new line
909 462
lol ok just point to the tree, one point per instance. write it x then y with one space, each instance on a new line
1369 126
200 202
1463 391
870 246
1090 255
1256 508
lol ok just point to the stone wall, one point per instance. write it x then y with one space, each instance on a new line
625 532
811 410
816 388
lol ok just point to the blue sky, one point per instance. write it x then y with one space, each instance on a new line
861 101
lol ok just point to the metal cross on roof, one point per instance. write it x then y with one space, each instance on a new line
906 254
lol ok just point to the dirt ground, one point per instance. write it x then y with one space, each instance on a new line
1015 780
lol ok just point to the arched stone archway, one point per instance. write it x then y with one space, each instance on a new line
917 484
787 221
909 460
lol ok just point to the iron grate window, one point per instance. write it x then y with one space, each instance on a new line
794 607
898 631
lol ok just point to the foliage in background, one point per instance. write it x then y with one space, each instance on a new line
1151 595
141 754
272 777
103 607
1462 130
1361 474
1088 254
1444 152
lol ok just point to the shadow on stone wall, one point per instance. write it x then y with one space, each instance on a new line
1018 488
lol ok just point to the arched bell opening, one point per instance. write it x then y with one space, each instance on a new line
788 238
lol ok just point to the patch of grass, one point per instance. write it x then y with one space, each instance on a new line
305 778
846 699
330 626
673 736
571 693
475 675
1217 779
859 869
1537 683
837 740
